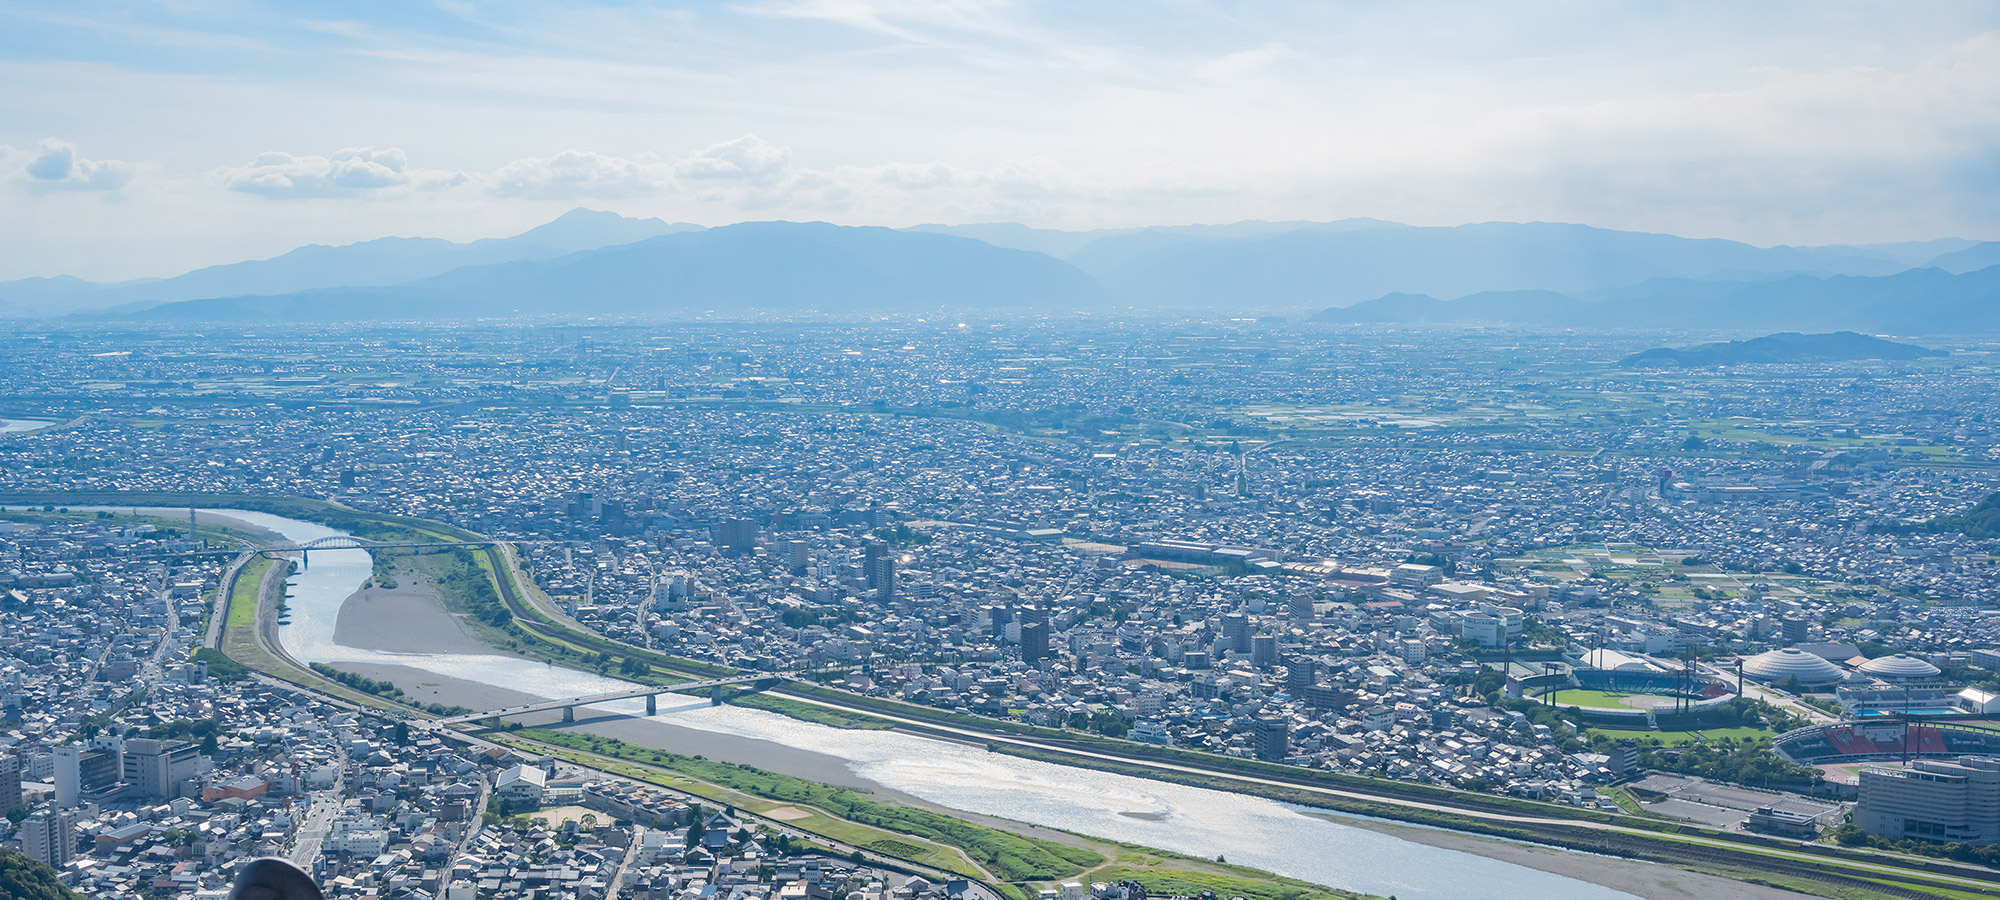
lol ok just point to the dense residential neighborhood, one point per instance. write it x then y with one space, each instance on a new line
1526 590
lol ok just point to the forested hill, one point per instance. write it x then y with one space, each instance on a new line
22 878
1981 521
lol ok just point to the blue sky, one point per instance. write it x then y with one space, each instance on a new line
145 139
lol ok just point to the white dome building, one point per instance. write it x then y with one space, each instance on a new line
1777 665
1900 668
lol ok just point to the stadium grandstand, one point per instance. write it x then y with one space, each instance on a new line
1848 742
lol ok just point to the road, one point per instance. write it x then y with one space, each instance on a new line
312 832
631 856
218 610
1782 701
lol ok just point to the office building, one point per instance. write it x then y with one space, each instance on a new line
1934 800
160 769
81 771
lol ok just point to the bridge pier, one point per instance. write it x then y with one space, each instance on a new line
715 696
493 721
652 704
569 714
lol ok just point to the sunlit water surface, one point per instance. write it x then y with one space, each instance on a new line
1248 830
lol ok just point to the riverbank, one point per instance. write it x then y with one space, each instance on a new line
960 777
1649 880
408 618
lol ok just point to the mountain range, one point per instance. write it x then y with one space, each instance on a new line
1361 270
383 261
1914 301
735 269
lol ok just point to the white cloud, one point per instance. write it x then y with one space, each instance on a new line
55 165
347 172
579 173
748 159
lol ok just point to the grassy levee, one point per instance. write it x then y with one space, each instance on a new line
1657 840
1181 882
626 760
243 640
1008 856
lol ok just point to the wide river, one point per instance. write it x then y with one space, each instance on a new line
1248 830
14 426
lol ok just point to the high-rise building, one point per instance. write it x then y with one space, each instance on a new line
879 567
1300 675
1301 607
1933 800
1794 629
10 783
1034 642
48 836
1270 738
736 535
68 776
798 555
1236 633
159 769
1264 651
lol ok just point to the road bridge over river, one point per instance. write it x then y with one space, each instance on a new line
760 681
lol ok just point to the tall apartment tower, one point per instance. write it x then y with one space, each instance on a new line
48 836
1236 633
1034 642
1300 676
10 783
1270 738
1264 651
736 535
879 567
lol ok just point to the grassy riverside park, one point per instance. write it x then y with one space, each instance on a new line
1826 871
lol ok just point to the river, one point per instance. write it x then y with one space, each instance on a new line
1248 830
18 426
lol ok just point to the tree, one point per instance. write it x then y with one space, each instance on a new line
22 878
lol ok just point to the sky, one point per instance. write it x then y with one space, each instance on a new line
145 139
